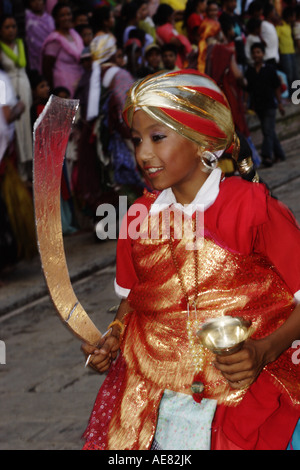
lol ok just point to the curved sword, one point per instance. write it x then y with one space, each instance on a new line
51 135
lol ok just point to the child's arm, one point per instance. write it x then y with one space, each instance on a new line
107 352
242 368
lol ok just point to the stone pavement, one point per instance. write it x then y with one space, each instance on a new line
46 393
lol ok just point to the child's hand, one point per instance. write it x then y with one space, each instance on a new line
102 357
242 368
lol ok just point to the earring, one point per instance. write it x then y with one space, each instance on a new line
209 161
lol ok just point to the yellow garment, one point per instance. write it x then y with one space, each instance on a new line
175 4
208 30
286 42
20 211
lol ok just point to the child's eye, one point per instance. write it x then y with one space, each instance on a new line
158 137
136 141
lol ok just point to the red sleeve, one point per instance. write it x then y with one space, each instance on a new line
194 21
279 239
125 272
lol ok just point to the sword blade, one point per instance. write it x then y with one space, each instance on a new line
51 135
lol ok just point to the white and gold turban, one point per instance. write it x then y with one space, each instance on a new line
188 102
103 47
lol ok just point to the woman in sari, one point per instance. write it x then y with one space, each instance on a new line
62 51
14 63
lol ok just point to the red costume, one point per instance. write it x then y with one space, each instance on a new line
249 266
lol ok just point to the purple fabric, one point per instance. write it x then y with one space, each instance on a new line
38 29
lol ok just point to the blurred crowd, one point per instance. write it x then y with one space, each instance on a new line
93 51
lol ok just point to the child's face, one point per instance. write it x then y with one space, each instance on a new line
166 158
154 58
257 55
87 36
169 59
42 91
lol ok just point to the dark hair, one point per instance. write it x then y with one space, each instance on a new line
190 8
268 9
226 25
100 15
80 27
258 45
169 47
253 24
35 78
61 89
3 18
162 14
79 12
138 34
59 6
255 6
287 13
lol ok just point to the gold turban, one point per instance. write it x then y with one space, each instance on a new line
188 102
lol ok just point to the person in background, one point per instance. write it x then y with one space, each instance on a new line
296 34
269 35
62 50
286 46
152 59
40 94
17 227
39 24
164 20
263 86
145 22
80 16
213 10
169 57
253 35
14 63
194 14
210 33
227 16
86 33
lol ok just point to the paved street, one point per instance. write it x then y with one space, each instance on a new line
46 393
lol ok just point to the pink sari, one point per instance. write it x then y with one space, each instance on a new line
67 69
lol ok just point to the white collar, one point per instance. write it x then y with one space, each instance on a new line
205 197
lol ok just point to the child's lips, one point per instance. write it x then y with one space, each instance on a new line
153 171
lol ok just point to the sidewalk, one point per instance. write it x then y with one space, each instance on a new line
25 282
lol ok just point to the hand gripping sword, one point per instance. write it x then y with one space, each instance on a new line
51 135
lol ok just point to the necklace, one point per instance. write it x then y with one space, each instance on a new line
195 346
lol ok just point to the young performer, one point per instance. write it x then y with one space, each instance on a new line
164 390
